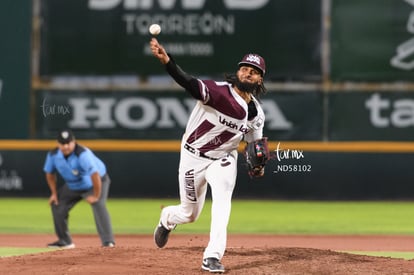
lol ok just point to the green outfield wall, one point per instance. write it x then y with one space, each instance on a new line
15 59
336 145
302 170
340 75
93 37
290 115
372 40
163 114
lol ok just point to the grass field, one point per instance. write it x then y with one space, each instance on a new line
138 216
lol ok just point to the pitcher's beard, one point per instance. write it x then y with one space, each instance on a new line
245 86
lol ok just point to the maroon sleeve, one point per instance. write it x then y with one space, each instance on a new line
188 82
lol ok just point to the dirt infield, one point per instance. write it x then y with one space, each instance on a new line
246 254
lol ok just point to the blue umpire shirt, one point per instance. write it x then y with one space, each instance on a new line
75 169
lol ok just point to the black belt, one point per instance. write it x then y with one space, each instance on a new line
197 152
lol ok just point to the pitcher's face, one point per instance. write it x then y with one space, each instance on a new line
248 79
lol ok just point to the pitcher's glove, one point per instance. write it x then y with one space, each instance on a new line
256 154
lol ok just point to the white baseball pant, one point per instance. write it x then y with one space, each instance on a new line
194 174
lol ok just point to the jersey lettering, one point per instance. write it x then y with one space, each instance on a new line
189 186
242 128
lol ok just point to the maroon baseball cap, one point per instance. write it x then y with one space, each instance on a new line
254 60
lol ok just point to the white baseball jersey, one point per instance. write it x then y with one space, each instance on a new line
219 121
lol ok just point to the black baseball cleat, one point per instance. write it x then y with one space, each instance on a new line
213 265
62 245
161 235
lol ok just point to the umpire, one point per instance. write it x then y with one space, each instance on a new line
85 177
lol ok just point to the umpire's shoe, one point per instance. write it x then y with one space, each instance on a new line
213 265
61 245
161 235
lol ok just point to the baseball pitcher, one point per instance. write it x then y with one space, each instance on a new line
226 113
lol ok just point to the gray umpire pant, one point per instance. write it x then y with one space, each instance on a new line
69 198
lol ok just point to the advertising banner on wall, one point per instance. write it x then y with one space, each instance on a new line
95 37
163 115
372 40
371 116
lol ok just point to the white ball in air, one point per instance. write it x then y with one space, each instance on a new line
155 29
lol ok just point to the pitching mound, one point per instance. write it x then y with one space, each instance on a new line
137 255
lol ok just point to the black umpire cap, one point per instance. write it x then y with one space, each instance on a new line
65 136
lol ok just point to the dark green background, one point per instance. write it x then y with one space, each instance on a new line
364 37
76 40
15 30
